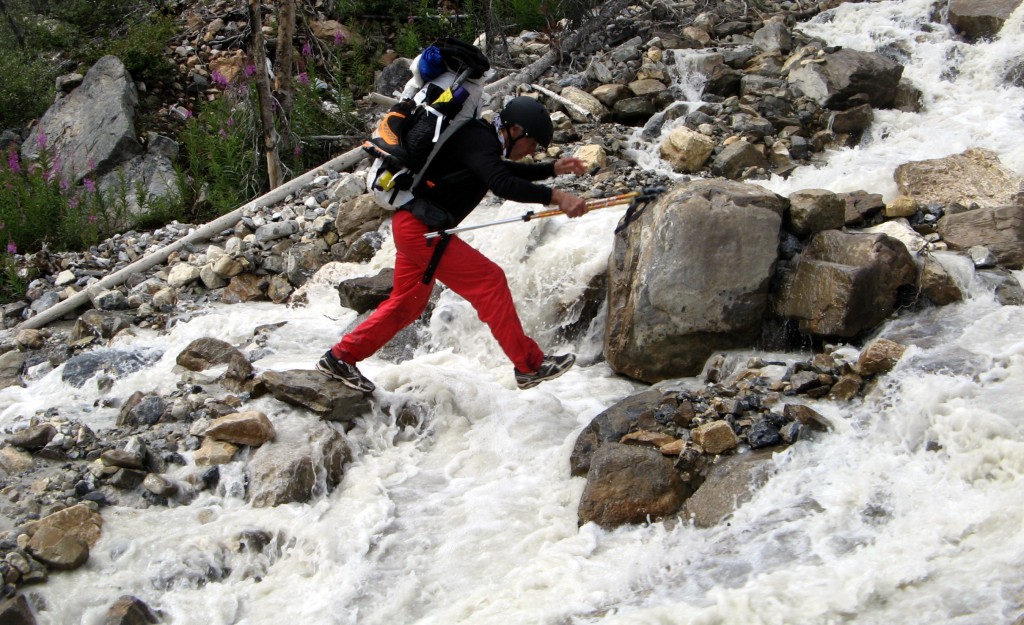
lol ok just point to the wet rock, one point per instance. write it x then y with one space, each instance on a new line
34 437
213 452
609 427
937 284
807 416
1000 229
251 428
845 284
975 176
715 437
297 470
628 484
815 210
116 363
206 352
130 610
58 549
330 399
16 611
730 483
980 20
879 356
846 74
365 294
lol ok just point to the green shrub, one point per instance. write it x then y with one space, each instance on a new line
26 88
142 49
220 146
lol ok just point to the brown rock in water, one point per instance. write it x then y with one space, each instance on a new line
628 484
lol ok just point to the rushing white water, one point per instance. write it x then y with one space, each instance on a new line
910 512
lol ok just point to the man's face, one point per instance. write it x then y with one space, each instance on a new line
522 147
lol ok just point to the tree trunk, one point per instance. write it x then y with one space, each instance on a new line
266 100
283 66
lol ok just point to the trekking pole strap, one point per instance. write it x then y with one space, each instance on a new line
435 258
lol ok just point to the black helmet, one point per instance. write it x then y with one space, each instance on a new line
531 116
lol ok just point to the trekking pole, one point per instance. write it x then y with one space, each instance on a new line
616 200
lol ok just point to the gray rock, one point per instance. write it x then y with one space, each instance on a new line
730 483
92 128
980 19
845 74
1000 230
669 308
114 362
330 399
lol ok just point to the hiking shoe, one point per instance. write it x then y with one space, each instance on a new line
343 372
550 368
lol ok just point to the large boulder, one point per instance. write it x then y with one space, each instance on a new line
691 278
93 127
975 176
847 73
845 284
980 19
1000 229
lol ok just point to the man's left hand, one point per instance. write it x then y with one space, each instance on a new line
570 165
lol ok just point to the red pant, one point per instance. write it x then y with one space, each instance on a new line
462 269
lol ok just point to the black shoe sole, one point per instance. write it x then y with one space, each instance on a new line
352 385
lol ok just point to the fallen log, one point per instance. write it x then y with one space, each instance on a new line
85 296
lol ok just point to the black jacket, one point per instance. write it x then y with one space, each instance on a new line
468 165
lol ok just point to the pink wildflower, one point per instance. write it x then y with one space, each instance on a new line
250 70
307 50
231 122
223 133
89 185
12 248
13 162
298 150
41 140
219 79
303 78
339 38
92 218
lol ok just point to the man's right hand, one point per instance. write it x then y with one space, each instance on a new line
570 204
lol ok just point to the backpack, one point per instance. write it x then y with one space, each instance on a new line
443 94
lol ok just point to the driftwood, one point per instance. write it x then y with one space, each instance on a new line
566 103
339 163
